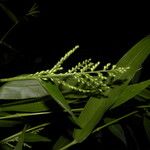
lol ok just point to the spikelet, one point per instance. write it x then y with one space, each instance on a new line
86 76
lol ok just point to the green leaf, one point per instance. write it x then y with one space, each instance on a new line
29 107
31 137
32 129
117 130
145 94
20 143
90 116
19 115
10 14
134 58
56 94
61 142
130 92
147 127
6 147
22 89
94 111
8 123
95 108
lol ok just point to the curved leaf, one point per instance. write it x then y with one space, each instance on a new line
22 89
20 143
134 58
31 137
130 91
10 14
90 116
95 108
29 107
145 94
56 94
61 142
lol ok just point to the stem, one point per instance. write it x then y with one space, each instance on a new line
77 109
33 76
23 115
68 145
7 33
114 121
144 106
17 134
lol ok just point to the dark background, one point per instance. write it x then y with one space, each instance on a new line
104 31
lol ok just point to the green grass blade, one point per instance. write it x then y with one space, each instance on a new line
31 137
61 142
29 107
22 89
20 143
89 117
93 113
9 13
145 94
135 57
19 115
114 121
95 108
130 92
56 94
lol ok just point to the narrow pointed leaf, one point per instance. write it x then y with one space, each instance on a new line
30 137
29 107
20 143
19 115
95 108
134 58
10 14
145 94
61 142
56 94
90 116
130 92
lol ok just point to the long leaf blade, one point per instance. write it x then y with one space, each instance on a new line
130 92
31 137
135 57
56 94
10 14
95 109
29 107
89 117
22 89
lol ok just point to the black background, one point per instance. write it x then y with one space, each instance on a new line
104 31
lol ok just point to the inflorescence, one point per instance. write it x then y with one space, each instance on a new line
85 77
